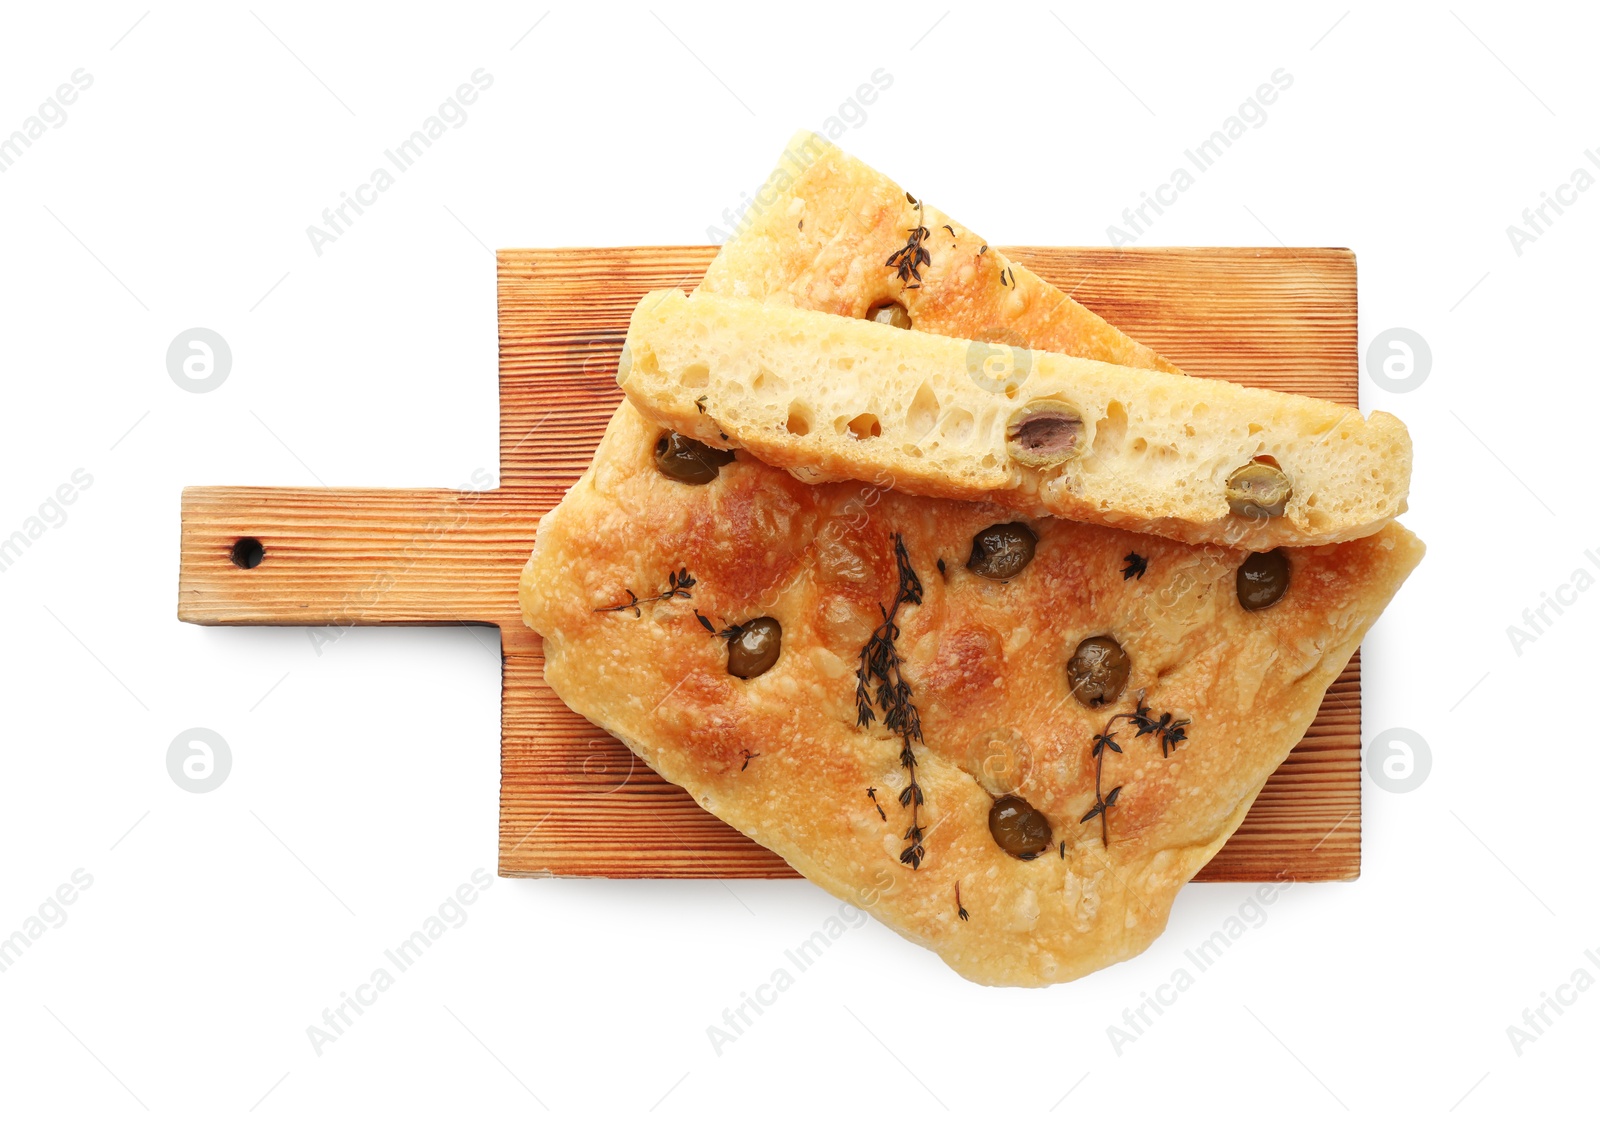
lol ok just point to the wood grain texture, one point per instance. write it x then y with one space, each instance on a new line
574 802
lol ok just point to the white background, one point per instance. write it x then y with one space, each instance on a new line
363 790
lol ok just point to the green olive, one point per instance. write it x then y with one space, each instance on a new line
1258 489
1003 551
892 313
688 461
754 647
1044 433
1018 828
1262 580
1098 671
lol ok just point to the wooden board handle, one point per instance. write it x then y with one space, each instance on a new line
332 556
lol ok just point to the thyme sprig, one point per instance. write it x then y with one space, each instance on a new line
678 585
731 632
880 683
1168 732
1134 567
907 261
961 913
872 793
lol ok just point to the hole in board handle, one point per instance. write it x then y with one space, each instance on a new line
247 553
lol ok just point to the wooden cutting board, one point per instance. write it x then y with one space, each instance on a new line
574 802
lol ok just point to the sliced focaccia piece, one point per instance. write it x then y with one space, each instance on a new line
829 233
1011 742
1198 460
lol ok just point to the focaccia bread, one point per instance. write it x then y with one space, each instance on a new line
1011 744
1197 460
828 233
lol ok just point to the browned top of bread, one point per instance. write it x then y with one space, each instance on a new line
821 233
781 756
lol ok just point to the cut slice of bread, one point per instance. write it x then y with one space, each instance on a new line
831 398
822 230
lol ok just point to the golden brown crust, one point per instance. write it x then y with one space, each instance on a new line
824 225
781 758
